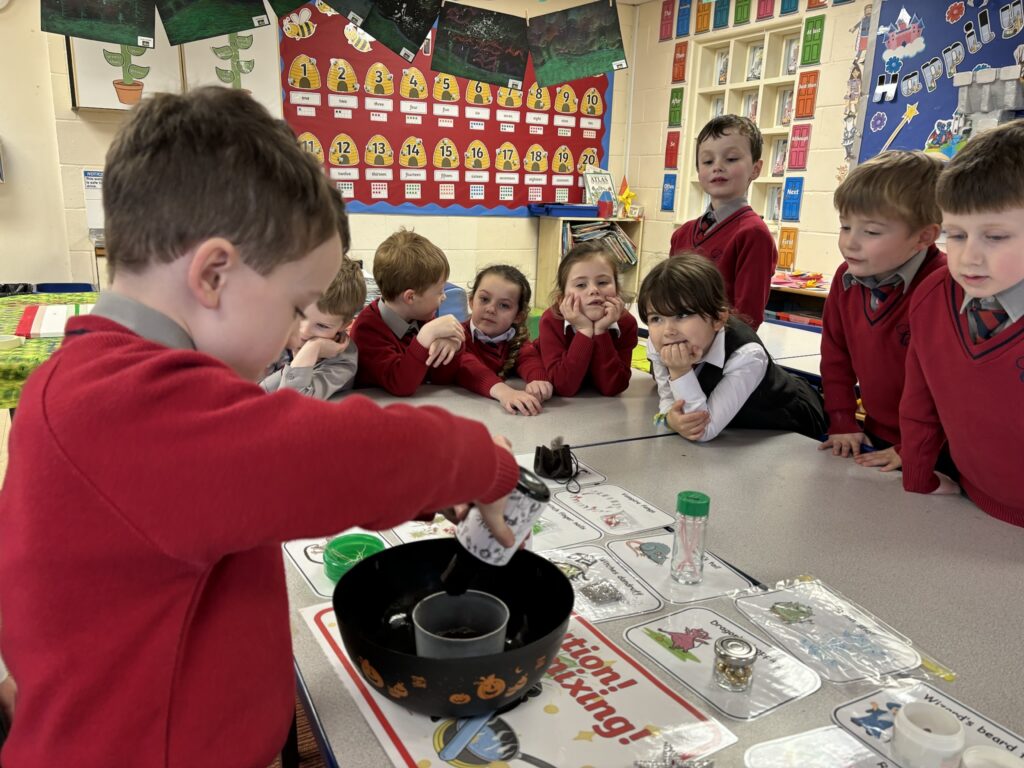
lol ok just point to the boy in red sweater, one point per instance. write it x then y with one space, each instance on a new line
888 222
730 233
159 635
965 366
401 342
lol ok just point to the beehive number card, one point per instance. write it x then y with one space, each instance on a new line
396 135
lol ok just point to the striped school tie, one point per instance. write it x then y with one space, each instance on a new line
985 322
705 223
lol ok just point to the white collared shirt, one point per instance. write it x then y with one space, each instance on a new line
741 374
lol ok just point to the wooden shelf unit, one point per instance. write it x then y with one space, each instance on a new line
549 254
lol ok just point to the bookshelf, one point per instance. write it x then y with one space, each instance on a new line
753 73
550 252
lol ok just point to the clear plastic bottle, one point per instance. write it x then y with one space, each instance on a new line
690 537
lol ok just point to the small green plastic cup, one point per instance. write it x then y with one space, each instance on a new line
343 552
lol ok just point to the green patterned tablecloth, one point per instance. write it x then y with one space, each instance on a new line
16 364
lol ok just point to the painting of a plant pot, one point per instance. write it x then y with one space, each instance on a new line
129 87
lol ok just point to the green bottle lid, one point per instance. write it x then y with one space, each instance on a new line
693 504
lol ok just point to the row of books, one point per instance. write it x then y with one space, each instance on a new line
609 232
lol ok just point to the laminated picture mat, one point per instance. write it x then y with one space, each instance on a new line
420 530
683 644
586 475
604 588
596 705
558 527
307 555
650 557
870 718
394 136
613 510
835 637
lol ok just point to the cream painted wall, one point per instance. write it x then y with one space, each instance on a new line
33 240
817 248
79 141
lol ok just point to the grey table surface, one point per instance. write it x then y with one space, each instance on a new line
784 341
935 568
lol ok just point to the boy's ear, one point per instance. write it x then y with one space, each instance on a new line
926 236
721 320
757 169
408 296
211 263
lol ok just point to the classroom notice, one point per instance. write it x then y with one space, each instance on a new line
593 48
481 45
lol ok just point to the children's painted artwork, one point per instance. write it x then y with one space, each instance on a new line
355 11
307 555
750 106
833 636
718 106
482 45
593 48
870 719
596 705
779 157
919 47
605 589
186 21
117 76
236 60
402 25
123 23
821 748
683 644
420 530
650 556
613 510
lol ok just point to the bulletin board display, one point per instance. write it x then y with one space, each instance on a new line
919 46
396 137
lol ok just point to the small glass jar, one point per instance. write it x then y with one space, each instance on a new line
734 663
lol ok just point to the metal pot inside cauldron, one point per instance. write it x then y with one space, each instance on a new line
373 603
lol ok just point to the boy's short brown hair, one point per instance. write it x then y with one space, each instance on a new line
987 174
716 127
211 163
407 260
896 184
346 293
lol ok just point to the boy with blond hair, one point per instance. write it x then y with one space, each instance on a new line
965 366
321 360
729 232
172 478
888 222
401 342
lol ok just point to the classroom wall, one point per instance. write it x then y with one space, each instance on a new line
817 248
79 141
33 240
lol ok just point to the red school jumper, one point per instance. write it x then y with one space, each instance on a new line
743 250
972 392
573 360
482 361
397 365
868 346
145 615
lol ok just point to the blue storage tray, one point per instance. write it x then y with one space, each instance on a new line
563 210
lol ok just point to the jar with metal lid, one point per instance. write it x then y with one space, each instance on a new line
734 663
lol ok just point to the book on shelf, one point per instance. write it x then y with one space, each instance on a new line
611 235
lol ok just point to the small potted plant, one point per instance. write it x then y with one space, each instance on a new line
239 67
128 88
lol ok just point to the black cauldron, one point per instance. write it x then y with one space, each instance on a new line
373 603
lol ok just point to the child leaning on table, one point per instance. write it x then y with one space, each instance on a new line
498 342
402 343
320 359
888 222
711 368
586 335
965 365
168 475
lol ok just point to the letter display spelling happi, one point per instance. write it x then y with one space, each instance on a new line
395 136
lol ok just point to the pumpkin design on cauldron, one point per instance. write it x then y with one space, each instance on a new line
398 691
418 681
460 698
541 661
489 687
517 687
371 674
